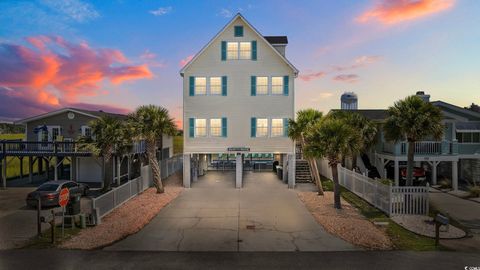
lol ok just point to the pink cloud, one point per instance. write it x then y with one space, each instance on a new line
312 76
57 72
348 78
396 11
360 61
185 61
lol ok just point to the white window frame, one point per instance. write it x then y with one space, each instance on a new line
196 93
272 127
271 85
267 85
237 54
196 128
266 131
84 131
247 56
210 126
209 80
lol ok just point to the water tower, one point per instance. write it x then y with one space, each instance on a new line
349 101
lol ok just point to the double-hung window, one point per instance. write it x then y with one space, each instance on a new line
232 50
277 127
200 127
262 86
200 85
277 85
245 50
216 127
215 85
86 131
262 127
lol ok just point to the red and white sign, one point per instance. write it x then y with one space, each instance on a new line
63 197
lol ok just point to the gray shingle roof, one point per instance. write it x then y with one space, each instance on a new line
276 39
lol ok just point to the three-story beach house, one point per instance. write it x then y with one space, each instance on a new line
238 94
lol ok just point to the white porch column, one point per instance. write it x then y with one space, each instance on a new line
186 170
455 175
239 171
119 165
285 168
195 168
434 172
396 175
55 169
291 171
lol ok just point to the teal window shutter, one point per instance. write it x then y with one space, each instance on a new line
253 82
253 132
254 50
285 127
191 129
192 86
224 127
238 31
285 85
224 50
224 85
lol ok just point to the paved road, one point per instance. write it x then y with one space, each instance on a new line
368 260
466 212
214 216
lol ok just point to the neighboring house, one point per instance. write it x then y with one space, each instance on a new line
238 94
57 132
456 156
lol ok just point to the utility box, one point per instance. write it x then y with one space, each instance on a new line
73 206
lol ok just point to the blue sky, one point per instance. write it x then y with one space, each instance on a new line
128 53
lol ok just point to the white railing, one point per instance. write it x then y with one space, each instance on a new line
112 199
389 199
424 147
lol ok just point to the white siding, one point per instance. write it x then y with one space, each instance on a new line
238 106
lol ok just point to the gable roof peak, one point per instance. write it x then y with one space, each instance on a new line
239 15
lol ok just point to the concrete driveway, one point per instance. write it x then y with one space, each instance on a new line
214 216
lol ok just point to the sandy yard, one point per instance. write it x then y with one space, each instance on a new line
346 223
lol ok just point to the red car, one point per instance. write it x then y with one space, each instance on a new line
418 173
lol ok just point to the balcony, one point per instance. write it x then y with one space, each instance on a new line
34 148
426 148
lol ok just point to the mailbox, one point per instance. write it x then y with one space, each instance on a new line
441 219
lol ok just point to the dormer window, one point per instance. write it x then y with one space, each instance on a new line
238 31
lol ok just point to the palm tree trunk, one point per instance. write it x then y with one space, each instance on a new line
153 161
410 160
313 168
354 162
336 186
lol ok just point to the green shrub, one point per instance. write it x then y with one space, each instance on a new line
474 191
445 183
386 181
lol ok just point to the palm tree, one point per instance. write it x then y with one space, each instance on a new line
413 119
366 128
296 130
333 139
150 123
109 139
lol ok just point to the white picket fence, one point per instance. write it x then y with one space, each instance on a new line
390 199
108 201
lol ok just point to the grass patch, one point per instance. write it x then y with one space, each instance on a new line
177 144
12 136
402 238
44 241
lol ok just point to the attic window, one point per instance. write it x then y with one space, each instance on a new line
238 31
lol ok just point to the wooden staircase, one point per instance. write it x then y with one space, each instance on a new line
302 168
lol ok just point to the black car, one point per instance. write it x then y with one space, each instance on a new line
49 192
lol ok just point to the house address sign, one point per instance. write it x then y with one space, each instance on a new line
238 149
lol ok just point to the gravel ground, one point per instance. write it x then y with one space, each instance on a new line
127 219
346 223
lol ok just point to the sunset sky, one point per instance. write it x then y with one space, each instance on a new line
116 55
